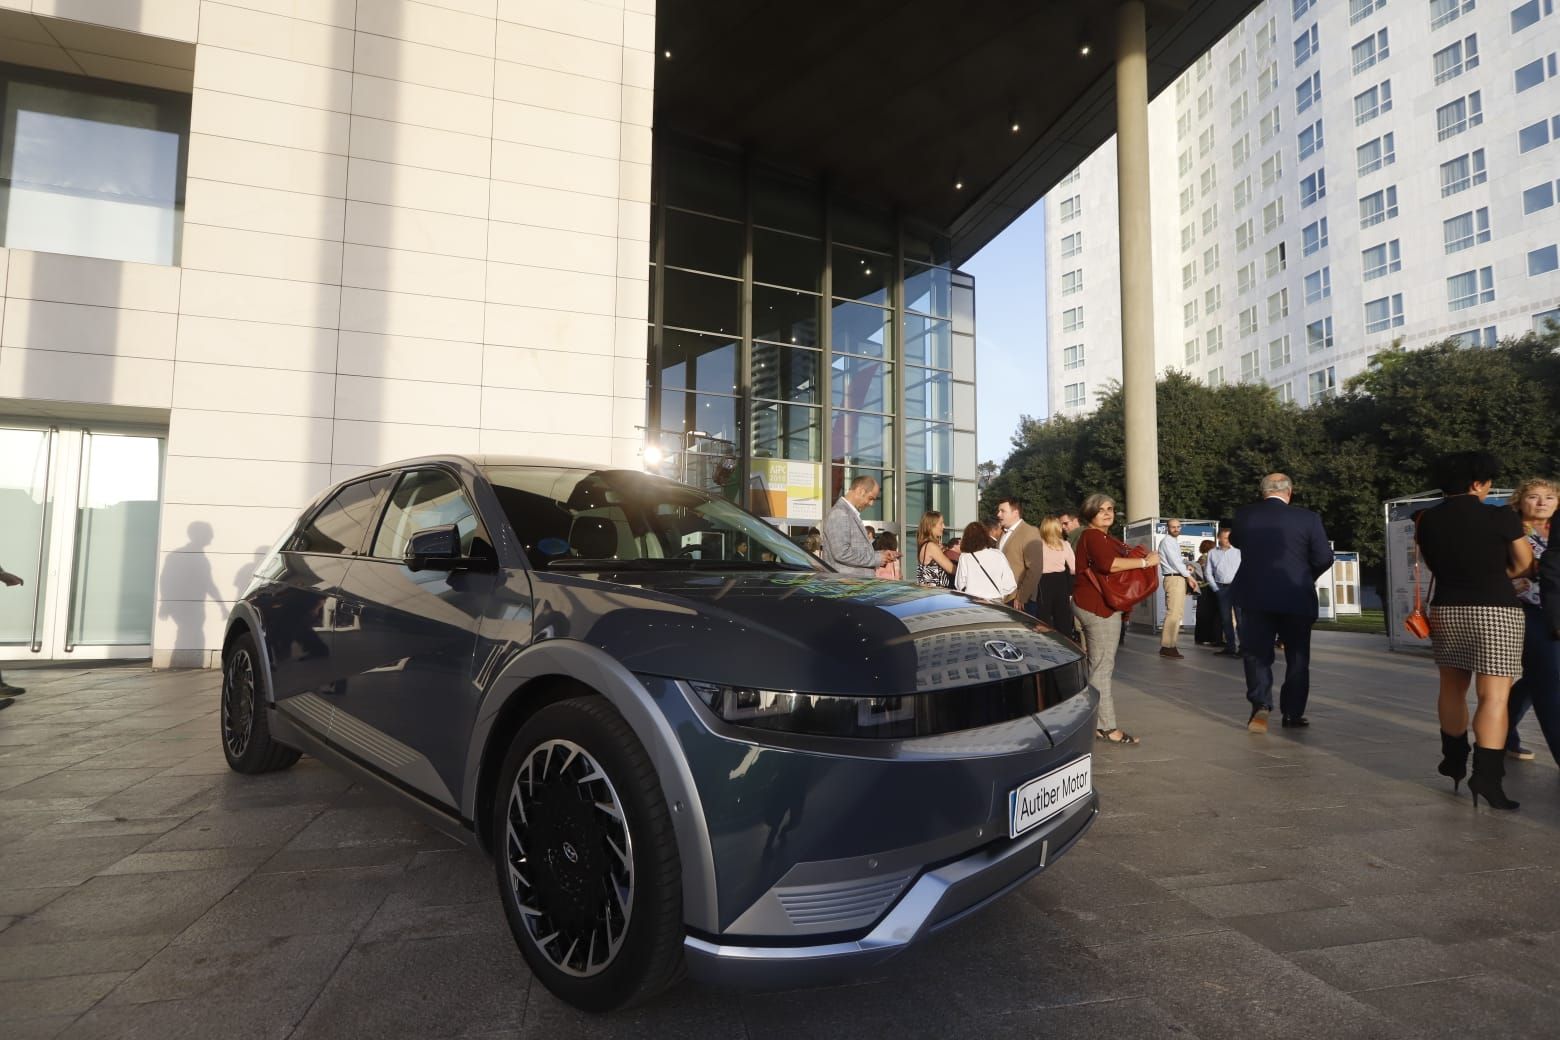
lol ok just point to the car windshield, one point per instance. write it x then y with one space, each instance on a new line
579 518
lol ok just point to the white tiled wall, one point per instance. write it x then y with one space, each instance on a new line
411 226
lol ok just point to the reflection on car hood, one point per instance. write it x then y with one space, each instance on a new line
808 632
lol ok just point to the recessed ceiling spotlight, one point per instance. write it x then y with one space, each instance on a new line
1014 127
668 54
958 184
1083 51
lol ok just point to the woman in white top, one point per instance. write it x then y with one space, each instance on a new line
982 570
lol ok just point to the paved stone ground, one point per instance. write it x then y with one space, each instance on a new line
1320 884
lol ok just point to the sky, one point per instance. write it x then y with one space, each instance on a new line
1010 371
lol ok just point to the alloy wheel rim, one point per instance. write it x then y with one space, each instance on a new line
238 704
570 858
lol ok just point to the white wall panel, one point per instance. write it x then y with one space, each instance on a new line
526 368
100 283
248 435
402 314
552 208
326 12
276 79
402 357
419 146
235 529
173 19
552 168
256 344
564 91
565 131
590 20
215 295
398 270
558 52
397 227
432 190
221 204
574 447
236 251
549 329
549 247
275 35
535 411
268 122
378 443
424 23
406 401
419 63
39 325
271 391
399 102
542 287
242 482
266 165
52 375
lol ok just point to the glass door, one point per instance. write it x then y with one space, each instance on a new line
89 504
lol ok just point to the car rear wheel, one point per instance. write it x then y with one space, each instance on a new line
586 859
246 731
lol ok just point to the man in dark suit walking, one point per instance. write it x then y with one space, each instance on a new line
1283 550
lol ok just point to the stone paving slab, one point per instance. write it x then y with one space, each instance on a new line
1315 883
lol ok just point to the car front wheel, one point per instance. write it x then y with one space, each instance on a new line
586 858
246 730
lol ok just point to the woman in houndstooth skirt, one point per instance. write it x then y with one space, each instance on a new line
1476 625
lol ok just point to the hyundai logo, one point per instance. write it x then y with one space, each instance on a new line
570 854
1002 650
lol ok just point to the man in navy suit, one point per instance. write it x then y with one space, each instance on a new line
1283 550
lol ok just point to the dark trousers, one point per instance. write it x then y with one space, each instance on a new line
1053 602
1209 628
1233 618
1259 628
1539 687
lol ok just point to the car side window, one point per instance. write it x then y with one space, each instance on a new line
425 498
338 528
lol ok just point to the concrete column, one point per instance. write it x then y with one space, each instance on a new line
1137 275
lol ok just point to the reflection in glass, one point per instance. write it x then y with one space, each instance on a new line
789 260
856 329
861 276
964 308
928 341
93 174
928 446
785 373
787 431
928 394
924 492
683 413
24 469
694 361
928 289
861 384
862 439
116 543
697 301
933 249
785 316
881 510
704 243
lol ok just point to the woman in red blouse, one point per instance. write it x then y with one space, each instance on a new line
1099 552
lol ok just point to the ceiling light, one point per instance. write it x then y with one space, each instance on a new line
1014 127
668 54
1083 51
958 184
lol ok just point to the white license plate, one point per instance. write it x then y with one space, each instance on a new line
1043 797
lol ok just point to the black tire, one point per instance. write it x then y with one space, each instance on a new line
242 720
568 847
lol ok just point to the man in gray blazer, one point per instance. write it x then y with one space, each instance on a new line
846 546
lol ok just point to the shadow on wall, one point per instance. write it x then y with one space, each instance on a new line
246 573
188 568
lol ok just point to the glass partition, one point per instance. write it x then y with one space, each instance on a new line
115 559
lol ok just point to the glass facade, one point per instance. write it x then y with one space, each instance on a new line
91 168
798 340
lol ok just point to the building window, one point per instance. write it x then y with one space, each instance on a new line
1071 207
1369 51
1072 395
1250 367
1072 357
1524 15
1072 319
1189 314
1375 153
1204 63
1277 259
1286 393
1213 298
1237 71
1072 244
1313 236
1209 181
1538 197
1300 7
1543 260
1305 45
1384 313
1239 109
1270 126
1193 355
1543 319
1319 335
1183 89
1278 352
1188 274
1308 93
1243 192
1534 72
1484 337
1445 12
1453 118
1246 278
1205 143
92 168
1452 61
1248 322
1318 285
1211 259
1267 35
1241 151
1324 384
1267 81
1273 216
1072 282
1205 102
1244 235
1463 172
1188 237
1210 219
1470 289
1313 187
1368 104
1310 140
1466 230
1272 169
1537 135
1186 162
1378 206
1278 307
1359 10
1216 376
1073 177
1215 338
1380 261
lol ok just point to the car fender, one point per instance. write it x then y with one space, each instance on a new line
245 612
604 674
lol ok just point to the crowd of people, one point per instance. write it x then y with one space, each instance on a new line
1494 604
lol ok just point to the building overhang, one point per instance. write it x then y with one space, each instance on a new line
913 102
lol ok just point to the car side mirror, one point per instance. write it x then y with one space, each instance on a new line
438 549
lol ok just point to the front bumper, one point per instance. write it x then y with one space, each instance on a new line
938 898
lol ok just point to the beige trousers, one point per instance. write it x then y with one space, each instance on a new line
1175 609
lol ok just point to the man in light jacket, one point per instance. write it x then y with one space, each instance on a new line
846 546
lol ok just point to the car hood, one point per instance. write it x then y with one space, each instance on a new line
801 631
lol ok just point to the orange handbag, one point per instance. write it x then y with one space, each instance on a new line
1417 624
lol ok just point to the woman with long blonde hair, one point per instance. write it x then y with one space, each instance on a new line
1539 687
933 568
1058 564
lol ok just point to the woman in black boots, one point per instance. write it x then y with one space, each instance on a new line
1473 550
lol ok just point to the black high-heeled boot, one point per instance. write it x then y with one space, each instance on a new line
1454 757
1489 769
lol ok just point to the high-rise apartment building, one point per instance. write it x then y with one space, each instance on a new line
1331 177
